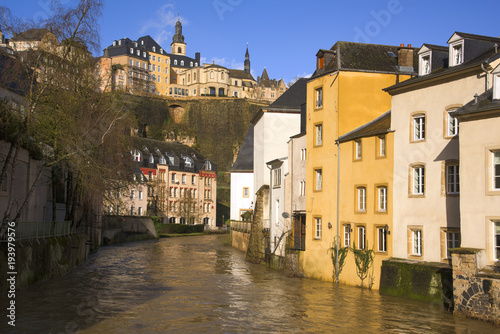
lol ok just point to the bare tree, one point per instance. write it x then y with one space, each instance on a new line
83 133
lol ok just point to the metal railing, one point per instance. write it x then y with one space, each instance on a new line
36 230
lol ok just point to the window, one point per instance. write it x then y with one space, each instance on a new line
319 134
451 125
303 154
496 241
417 242
211 74
277 177
361 199
452 241
132 194
426 65
381 146
357 149
183 178
496 170
319 98
317 228
140 194
381 239
457 54
150 176
173 178
347 235
246 192
452 179
132 210
361 237
418 180
302 188
418 127
193 180
175 62
182 61
319 179
382 199
139 211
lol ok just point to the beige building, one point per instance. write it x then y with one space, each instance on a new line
480 173
269 89
426 146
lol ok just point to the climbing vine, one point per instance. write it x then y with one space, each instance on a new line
364 260
342 255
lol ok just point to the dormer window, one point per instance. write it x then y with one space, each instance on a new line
425 63
137 155
175 62
154 48
162 160
457 56
188 162
151 159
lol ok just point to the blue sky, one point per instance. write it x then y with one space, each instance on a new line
283 35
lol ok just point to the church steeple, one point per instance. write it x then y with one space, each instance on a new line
178 46
247 61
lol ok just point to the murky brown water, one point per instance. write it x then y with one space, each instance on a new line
197 285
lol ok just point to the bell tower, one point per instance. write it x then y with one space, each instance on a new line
178 47
247 62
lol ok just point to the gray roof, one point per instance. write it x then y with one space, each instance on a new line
293 97
484 107
240 74
244 161
380 125
363 57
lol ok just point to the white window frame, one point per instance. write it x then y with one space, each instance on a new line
382 146
451 125
319 98
382 198
418 177
358 149
361 199
347 235
277 177
318 175
457 53
319 134
495 170
317 227
425 63
361 237
381 239
496 241
418 127
416 238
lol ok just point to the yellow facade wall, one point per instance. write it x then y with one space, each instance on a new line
350 99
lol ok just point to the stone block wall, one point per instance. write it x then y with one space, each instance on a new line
476 293
239 240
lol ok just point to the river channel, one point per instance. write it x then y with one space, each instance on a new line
198 285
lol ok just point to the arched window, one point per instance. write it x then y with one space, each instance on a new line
191 64
154 48
175 62
179 50
211 74
182 62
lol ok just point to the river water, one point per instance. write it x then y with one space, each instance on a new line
198 285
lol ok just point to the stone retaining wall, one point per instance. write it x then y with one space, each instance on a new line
239 240
119 229
476 293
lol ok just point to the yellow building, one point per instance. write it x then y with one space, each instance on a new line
344 93
365 197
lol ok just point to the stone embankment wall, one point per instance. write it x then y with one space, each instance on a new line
256 243
239 240
425 281
120 229
42 259
476 293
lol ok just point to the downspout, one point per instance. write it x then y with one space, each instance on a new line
338 202
291 173
270 201
487 76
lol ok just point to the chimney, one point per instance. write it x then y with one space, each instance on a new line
197 57
405 58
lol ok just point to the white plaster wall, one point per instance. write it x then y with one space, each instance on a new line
478 204
434 210
240 180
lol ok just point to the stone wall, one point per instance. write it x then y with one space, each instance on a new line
42 259
425 281
476 293
119 229
256 244
239 240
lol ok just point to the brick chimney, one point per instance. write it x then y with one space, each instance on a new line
405 58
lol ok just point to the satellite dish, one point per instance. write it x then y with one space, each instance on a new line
285 215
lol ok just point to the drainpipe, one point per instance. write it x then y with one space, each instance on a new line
338 202
487 76
270 202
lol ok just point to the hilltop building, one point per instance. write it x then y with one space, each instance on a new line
269 89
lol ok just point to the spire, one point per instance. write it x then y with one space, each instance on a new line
247 62
178 37
265 76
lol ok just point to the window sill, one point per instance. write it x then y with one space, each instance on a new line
416 196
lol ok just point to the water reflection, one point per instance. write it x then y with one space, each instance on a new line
197 285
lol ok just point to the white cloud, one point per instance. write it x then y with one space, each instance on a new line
232 64
160 26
